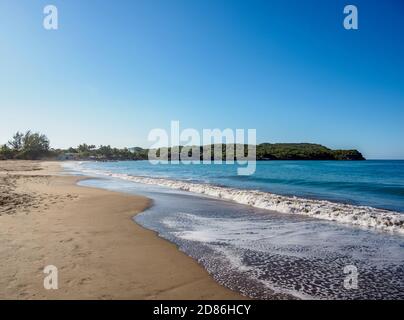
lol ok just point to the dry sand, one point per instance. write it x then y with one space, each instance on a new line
89 235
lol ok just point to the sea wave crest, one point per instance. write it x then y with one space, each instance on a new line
363 216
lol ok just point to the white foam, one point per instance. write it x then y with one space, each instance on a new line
363 216
226 236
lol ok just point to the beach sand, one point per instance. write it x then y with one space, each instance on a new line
89 235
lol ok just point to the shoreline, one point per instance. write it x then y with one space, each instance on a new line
90 236
343 213
263 254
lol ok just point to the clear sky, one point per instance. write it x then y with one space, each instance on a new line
116 69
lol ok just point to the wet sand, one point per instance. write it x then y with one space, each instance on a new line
89 235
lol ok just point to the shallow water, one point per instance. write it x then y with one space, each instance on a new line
265 254
375 183
342 212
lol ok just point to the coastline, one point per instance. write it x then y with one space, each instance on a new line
262 253
89 235
348 213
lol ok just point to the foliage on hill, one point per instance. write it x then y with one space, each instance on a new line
36 146
303 151
278 151
91 152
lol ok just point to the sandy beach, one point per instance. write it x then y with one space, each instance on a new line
89 235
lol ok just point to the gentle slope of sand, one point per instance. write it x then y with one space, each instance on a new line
89 235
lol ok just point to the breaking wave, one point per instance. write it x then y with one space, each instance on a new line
363 216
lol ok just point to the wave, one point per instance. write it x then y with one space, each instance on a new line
391 189
363 216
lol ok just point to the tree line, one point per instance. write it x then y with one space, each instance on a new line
33 146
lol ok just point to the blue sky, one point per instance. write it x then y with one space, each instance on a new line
116 69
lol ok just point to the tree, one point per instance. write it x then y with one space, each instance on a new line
34 146
85 148
16 142
6 152
82 148
105 151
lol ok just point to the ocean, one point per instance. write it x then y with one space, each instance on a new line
291 230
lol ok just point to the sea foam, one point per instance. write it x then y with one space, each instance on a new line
363 216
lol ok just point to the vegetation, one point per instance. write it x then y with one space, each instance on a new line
303 151
26 145
347 155
284 151
91 152
33 146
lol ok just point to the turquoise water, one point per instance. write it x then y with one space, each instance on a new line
375 183
267 253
